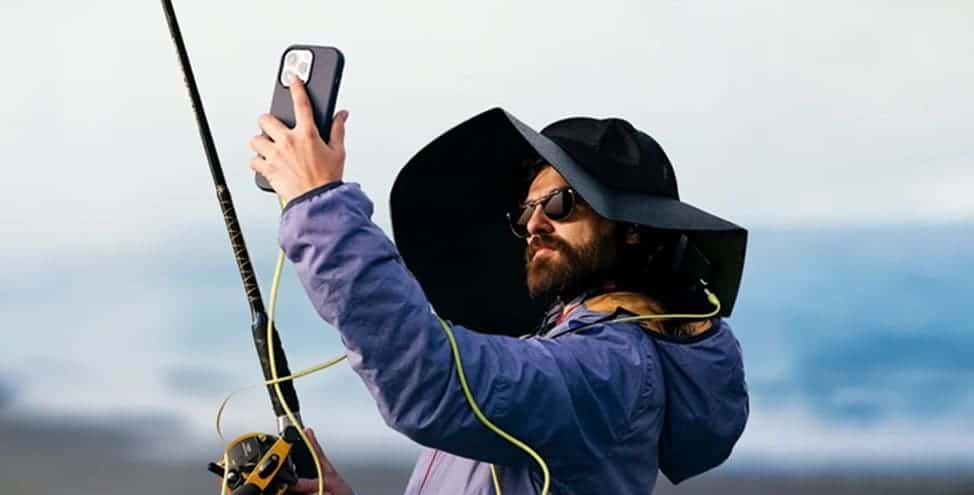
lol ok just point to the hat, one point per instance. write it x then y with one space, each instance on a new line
448 208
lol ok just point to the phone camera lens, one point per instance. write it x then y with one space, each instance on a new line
292 58
303 68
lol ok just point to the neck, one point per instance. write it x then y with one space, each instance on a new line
567 296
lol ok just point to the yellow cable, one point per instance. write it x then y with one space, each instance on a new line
486 422
497 482
710 297
278 269
294 376
224 489
276 381
300 374
510 438
463 382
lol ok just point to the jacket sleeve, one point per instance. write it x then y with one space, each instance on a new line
562 398
706 401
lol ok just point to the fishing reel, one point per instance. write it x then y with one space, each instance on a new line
259 464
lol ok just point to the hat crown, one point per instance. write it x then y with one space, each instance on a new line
616 154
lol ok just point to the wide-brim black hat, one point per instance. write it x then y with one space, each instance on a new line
448 208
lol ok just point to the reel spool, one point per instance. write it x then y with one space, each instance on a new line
259 464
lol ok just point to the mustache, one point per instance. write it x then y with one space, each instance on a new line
544 241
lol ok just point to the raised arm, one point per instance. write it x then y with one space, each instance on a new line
563 398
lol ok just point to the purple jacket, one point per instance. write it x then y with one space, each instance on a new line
606 406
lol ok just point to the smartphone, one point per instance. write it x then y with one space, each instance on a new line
320 67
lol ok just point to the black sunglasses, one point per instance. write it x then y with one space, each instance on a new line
556 205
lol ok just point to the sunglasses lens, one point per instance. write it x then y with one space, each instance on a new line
556 207
559 206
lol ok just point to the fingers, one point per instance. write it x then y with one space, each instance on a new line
333 482
304 485
303 113
325 463
307 485
272 126
337 139
260 165
262 145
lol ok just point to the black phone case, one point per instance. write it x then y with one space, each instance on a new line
322 85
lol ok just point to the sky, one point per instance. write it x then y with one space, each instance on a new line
816 117
772 113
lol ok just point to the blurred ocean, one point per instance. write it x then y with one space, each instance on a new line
858 341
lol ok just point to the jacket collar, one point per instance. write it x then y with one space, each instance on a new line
599 306
561 311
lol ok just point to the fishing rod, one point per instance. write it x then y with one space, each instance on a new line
266 444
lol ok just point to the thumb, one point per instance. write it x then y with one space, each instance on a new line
337 138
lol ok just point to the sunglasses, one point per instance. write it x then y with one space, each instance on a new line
556 205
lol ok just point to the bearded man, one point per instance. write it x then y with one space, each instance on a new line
587 350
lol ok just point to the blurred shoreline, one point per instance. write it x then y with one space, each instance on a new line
39 457
53 474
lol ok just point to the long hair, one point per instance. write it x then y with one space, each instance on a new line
652 266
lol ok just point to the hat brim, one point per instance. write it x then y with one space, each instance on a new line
448 208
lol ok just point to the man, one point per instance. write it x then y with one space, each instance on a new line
603 400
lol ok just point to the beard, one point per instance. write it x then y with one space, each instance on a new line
575 270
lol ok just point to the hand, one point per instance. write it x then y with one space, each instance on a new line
334 484
295 161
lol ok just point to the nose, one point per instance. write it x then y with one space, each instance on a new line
539 223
